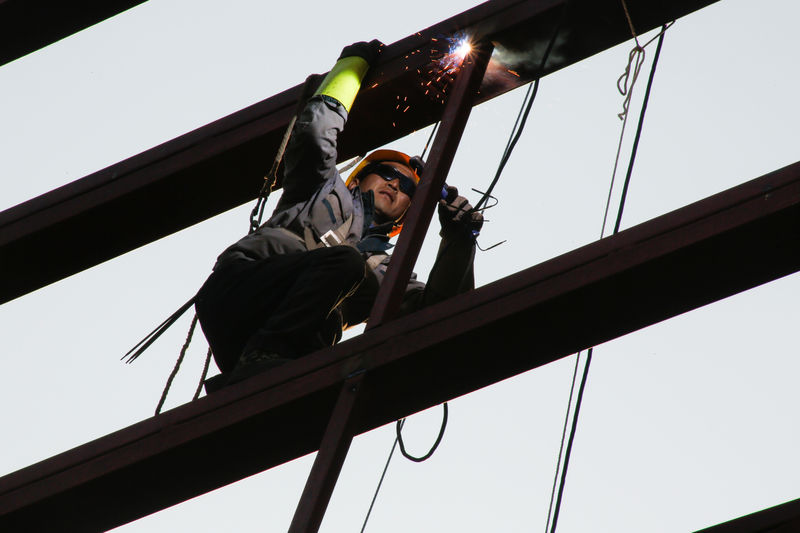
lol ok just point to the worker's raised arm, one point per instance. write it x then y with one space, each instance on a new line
311 153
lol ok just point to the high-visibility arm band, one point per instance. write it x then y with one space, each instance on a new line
344 80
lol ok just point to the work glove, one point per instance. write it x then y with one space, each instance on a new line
368 51
455 213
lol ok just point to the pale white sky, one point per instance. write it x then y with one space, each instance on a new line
684 424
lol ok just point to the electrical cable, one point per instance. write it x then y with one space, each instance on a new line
563 439
578 402
522 117
430 138
398 431
639 130
516 132
620 210
380 481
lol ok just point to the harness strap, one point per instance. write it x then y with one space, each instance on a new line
334 237
374 260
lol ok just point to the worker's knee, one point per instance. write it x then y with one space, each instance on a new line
353 265
344 262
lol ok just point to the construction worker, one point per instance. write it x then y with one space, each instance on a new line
315 266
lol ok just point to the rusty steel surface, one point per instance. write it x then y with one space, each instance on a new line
709 250
328 463
454 120
28 25
226 158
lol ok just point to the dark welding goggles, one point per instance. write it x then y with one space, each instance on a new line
389 173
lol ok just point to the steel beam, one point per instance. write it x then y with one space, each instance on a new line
429 191
709 250
328 463
28 25
338 436
227 159
784 518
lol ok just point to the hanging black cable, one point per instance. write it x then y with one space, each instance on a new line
568 452
563 439
585 376
380 481
430 138
522 118
399 432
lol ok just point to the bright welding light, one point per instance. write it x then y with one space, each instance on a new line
461 49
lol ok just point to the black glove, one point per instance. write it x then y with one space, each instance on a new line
368 51
455 212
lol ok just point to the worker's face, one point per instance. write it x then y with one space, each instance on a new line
390 201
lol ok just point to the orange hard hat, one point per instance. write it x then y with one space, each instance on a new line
415 164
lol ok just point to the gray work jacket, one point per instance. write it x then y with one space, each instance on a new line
316 199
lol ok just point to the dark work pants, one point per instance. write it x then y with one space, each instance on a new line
286 304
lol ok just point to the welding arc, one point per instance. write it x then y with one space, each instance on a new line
585 376
524 111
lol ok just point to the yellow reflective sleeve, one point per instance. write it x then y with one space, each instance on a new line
344 80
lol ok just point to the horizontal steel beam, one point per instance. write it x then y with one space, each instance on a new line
227 159
28 25
709 250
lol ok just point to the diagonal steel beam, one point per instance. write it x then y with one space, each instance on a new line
226 159
328 463
709 250
339 433
443 151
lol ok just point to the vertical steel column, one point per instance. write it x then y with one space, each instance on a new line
329 461
428 193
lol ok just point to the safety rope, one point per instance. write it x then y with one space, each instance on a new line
255 221
270 180
177 365
256 215
584 378
199 388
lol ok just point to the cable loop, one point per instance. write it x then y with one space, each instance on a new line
399 428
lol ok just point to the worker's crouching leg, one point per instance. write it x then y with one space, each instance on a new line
279 308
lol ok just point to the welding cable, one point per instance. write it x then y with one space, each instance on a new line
399 440
585 375
639 129
568 453
430 138
563 440
525 109
399 432
380 481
